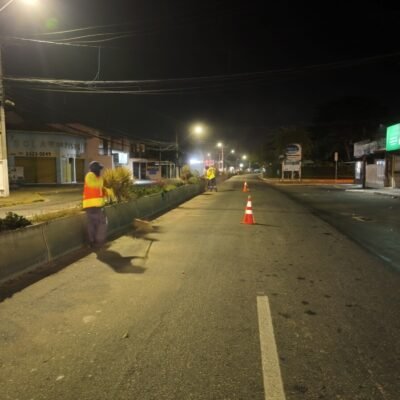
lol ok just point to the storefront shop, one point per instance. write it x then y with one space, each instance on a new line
42 158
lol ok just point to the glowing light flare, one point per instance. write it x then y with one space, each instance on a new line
198 129
194 161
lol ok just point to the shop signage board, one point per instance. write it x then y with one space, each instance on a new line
393 137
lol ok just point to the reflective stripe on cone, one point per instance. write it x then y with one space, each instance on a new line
248 213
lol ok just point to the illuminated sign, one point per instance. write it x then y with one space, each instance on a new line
393 137
293 152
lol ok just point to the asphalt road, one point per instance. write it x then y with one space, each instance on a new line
196 307
371 220
54 201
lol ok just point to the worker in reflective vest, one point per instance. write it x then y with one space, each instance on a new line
94 195
211 174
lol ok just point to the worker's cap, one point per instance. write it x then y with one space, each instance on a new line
95 166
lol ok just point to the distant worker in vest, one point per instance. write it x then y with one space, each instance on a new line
94 199
211 175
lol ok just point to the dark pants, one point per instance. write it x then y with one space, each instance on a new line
212 183
96 226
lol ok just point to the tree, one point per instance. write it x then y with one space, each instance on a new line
280 138
341 122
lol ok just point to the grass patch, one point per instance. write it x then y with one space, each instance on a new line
20 198
37 219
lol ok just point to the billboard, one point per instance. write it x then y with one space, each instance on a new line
293 152
393 137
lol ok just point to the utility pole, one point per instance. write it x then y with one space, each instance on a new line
222 160
177 155
4 184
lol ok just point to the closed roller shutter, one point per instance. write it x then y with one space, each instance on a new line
46 170
29 165
38 170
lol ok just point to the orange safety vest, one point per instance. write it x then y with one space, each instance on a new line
93 191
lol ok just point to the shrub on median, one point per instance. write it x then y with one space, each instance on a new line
120 181
13 221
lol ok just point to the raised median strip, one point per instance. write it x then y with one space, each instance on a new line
32 247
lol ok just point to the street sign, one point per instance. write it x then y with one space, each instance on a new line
336 156
293 152
291 166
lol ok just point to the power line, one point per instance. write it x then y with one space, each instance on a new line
183 85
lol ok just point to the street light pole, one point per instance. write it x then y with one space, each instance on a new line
4 183
176 155
220 144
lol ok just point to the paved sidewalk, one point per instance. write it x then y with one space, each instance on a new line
392 192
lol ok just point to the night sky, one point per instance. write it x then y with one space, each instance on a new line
272 64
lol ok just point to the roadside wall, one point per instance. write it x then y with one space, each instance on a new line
28 248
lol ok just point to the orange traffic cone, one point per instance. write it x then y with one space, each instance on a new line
245 187
248 213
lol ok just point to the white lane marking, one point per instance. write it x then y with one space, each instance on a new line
273 386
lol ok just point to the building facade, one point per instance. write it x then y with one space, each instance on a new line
45 157
61 153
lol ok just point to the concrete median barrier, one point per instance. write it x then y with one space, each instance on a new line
22 250
34 246
64 235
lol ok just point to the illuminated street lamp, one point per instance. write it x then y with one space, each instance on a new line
4 182
198 130
221 146
244 157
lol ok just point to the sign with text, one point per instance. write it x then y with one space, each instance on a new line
44 145
293 152
291 166
393 137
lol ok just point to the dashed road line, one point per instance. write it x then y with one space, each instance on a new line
273 387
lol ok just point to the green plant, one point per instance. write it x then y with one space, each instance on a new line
168 187
194 179
140 191
187 173
120 181
13 221
173 181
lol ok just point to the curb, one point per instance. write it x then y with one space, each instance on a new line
39 245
